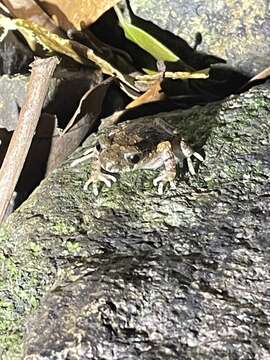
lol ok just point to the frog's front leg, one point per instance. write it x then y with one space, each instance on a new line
98 176
96 170
88 154
165 153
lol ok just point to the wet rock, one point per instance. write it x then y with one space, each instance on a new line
134 275
234 30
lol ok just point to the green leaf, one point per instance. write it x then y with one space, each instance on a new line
145 41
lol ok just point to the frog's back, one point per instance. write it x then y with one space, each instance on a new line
147 134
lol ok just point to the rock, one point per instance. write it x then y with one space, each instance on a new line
234 30
15 56
134 275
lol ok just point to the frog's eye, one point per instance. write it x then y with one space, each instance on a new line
133 158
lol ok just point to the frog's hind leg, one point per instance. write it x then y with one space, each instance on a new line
165 127
188 152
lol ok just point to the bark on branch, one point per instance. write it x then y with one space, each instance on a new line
42 71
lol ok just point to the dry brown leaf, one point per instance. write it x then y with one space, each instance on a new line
90 104
76 14
146 81
71 48
153 94
30 10
200 74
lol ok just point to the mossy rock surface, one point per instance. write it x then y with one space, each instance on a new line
236 30
131 274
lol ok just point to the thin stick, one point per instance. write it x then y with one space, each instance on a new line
42 71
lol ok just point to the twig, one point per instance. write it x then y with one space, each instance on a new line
42 71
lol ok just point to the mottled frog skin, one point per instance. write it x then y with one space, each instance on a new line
137 145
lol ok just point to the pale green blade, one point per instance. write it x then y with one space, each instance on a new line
145 40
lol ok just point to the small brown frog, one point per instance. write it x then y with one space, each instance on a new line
137 145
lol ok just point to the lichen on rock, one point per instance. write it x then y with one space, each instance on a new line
132 274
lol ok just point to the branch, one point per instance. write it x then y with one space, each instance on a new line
42 71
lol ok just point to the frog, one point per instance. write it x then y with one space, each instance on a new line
135 145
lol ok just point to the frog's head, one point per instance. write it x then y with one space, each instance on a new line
118 158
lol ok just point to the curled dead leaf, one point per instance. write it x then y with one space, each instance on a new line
154 93
30 10
71 48
76 14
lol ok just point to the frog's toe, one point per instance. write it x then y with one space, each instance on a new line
190 163
198 156
95 189
190 166
163 179
86 185
107 179
172 185
162 184
160 188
